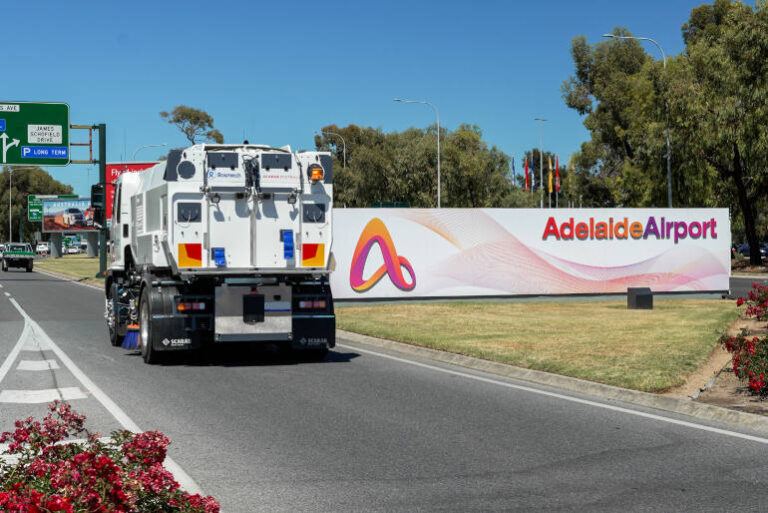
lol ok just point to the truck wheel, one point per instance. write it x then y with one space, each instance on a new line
114 338
5 266
148 352
29 267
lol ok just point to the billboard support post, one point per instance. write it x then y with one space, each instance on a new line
56 245
102 180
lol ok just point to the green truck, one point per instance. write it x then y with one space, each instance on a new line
18 255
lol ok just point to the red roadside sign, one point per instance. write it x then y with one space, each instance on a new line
114 170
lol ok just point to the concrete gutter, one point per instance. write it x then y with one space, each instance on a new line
737 419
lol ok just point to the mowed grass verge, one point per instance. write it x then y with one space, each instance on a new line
79 267
602 341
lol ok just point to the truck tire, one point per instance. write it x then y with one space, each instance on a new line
114 336
146 331
29 266
5 266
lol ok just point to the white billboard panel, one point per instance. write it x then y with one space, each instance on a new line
399 253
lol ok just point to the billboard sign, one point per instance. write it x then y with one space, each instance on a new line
114 170
67 215
34 133
401 253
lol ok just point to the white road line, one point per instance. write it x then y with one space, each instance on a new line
37 365
184 479
7 294
562 396
15 351
46 395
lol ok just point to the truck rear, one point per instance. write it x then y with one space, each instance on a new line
18 254
223 244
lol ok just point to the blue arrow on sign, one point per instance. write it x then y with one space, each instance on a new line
2 125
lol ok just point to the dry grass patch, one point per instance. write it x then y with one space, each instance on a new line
79 267
651 350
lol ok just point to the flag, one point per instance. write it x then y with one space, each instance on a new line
526 174
557 173
533 173
513 170
550 175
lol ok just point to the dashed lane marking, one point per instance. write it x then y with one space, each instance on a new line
46 395
37 365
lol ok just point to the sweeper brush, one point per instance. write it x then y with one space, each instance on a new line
131 340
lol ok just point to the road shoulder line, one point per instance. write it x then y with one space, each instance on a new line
688 407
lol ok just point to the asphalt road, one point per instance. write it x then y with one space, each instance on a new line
369 432
740 285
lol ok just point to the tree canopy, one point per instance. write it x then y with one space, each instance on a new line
195 124
402 167
715 99
26 180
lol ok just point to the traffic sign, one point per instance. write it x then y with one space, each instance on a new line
34 133
35 204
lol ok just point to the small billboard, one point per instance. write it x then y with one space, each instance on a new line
67 215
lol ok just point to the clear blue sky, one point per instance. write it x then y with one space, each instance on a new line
277 71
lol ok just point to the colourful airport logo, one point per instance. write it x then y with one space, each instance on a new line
376 232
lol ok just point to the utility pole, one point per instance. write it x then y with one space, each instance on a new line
541 159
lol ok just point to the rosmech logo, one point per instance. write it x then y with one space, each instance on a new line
611 229
375 232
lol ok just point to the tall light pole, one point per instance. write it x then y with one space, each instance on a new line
10 195
666 105
541 158
437 115
344 145
147 146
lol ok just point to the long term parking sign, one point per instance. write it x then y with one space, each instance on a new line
34 133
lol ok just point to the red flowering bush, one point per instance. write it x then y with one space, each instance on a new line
756 301
750 354
40 472
750 360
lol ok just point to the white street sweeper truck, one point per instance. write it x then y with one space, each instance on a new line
222 244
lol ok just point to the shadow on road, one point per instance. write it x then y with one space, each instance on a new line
244 355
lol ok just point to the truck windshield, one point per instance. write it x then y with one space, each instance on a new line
18 247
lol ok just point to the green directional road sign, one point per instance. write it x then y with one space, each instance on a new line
35 204
34 133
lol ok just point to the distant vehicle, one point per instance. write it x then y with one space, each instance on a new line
42 247
18 254
73 250
88 214
744 249
73 217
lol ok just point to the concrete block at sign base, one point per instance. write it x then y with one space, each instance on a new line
639 298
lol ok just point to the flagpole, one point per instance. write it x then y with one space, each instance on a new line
541 159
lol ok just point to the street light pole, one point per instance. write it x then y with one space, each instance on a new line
437 115
344 145
147 146
666 105
10 195
541 158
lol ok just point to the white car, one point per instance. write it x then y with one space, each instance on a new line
73 250
73 217
42 248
